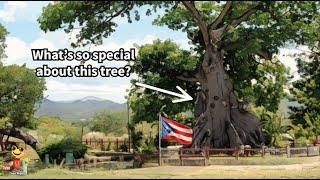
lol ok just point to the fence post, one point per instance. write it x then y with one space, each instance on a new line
263 151
307 150
288 151
46 160
117 145
237 152
180 153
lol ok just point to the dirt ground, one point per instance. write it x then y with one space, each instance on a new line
306 170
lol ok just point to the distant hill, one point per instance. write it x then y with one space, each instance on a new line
77 109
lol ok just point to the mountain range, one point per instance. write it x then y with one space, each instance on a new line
86 107
77 109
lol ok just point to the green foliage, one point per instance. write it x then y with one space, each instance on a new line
265 31
136 138
245 48
148 147
158 64
306 91
3 34
302 135
52 130
96 20
267 91
58 150
109 122
274 125
302 142
1 170
20 89
313 121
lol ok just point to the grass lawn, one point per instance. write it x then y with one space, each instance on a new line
292 168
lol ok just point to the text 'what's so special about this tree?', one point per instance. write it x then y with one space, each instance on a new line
223 34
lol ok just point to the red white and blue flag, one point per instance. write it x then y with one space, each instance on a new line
172 130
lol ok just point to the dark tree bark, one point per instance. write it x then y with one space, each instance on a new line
17 133
221 121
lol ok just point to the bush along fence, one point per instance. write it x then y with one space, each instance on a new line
176 156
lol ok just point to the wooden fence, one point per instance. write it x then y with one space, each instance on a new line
114 144
184 156
188 156
206 154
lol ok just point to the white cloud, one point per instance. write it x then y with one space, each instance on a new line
10 10
42 43
19 52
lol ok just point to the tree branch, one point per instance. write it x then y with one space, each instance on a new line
264 54
197 16
245 16
217 33
225 10
191 76
17 133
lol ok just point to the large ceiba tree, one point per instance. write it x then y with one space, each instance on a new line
227 37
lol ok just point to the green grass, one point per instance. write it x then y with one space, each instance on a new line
267 160
252 167
177 172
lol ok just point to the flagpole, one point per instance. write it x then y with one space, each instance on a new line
159 139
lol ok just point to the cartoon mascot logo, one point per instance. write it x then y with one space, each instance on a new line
19 164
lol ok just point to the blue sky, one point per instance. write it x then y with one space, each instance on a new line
20 19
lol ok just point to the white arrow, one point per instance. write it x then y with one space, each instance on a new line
184 96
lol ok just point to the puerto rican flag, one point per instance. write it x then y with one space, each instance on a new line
172 130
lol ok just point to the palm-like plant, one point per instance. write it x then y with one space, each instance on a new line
274 126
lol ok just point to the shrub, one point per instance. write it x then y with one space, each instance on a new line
147 147
123 148
302 142
136 138
58 150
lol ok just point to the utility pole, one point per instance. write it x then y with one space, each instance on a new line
129 136
82 120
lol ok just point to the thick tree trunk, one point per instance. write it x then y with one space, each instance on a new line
17 133
221 123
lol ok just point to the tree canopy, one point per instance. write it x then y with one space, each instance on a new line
249 47
108 122
246 36
20 89
3 34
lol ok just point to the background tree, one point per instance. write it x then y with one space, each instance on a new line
275 125
108 122
3 34
306 90
20 89
224 34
